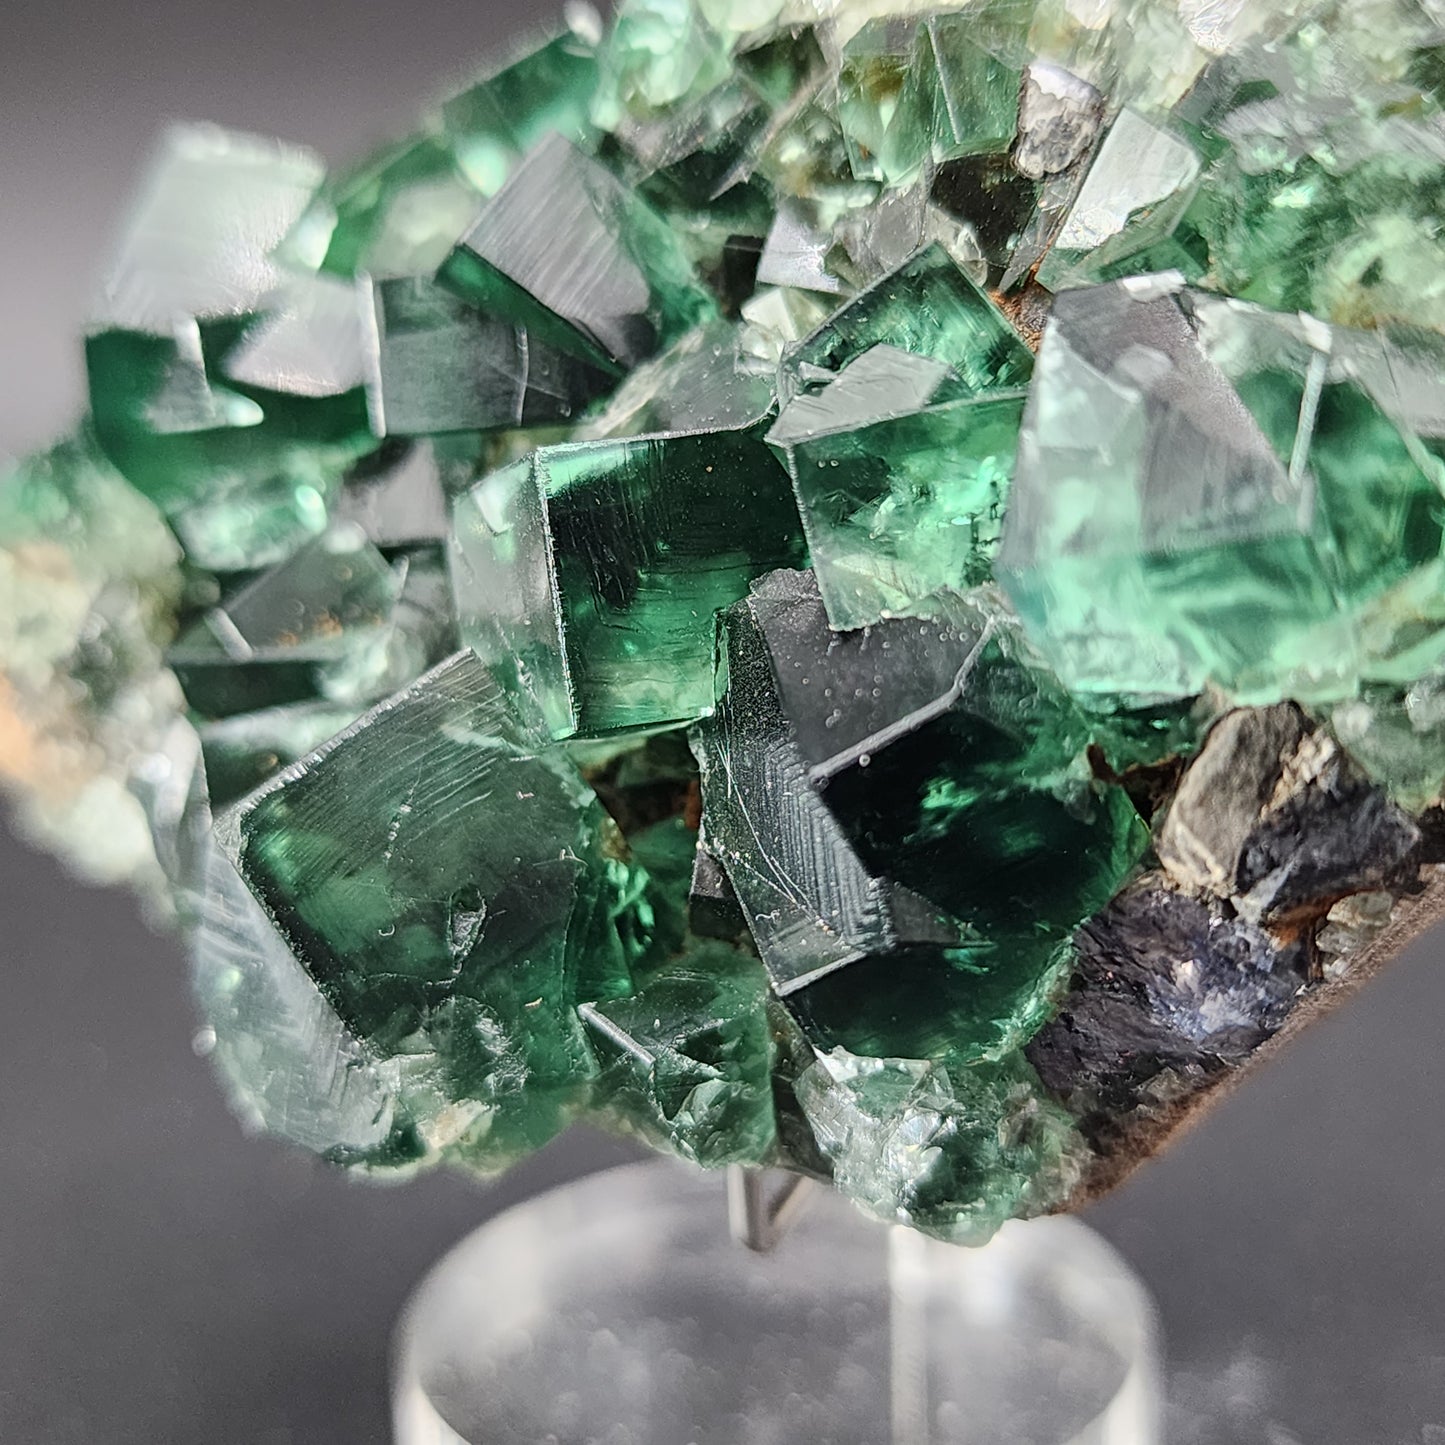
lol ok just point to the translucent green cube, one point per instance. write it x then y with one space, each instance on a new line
901 490
589 574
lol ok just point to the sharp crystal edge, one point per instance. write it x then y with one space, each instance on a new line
853 588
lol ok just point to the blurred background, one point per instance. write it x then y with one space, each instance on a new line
164 1278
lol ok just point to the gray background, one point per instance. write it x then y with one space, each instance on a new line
163 1278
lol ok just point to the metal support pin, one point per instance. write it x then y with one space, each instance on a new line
758 1218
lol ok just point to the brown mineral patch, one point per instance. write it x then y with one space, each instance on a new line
1028 311
18 754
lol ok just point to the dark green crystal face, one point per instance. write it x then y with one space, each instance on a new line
591 573
850 588
910 804
381 875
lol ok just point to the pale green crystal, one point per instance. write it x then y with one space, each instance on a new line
213 206
1257 506
948 1149
901 489
928 307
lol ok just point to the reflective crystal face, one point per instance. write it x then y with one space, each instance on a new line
590 573
1210 492
847 585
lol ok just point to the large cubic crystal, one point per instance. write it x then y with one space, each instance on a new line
1206 491
590 573
449 893
285 1058
811 903
952 764
882 816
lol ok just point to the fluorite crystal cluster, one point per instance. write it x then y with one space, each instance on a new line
837 583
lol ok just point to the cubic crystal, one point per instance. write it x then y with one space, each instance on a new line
590 573
435 880
901 489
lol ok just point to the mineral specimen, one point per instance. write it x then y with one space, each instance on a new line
852 587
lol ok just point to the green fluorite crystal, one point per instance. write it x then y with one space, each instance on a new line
853 586
687 1057
224 388
590 573
284 1056
449 894
440 365
900 481
928 307
909 90
1207 491
567 251
909 843
949 1149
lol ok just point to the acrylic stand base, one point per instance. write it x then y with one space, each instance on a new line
617 1310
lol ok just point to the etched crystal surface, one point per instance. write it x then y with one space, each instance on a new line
855 586
566 250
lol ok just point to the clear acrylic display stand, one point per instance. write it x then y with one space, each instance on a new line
618 1310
